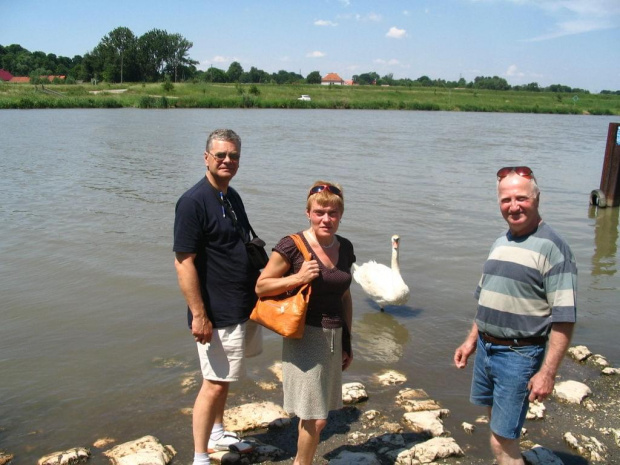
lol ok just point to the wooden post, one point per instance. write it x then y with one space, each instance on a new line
609 193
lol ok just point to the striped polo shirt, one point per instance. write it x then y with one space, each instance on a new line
527 283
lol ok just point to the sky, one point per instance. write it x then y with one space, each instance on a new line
570 42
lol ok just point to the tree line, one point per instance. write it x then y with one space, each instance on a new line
157 55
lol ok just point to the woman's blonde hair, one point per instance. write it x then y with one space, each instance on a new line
326 197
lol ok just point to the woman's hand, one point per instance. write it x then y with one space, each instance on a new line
346 359
309 271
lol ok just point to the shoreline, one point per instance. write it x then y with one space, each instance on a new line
285 96
361 427
596 416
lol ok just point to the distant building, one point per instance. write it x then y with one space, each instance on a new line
332 79
5 75
26 79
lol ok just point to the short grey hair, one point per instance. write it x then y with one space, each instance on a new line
532 180
227 135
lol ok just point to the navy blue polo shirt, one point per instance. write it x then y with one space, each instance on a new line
203 226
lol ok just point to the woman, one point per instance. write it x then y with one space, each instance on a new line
312 366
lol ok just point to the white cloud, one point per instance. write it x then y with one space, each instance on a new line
391 62
575 16
324 22
220 59
513 71
395 33
374 17
406 12
568 28
315 54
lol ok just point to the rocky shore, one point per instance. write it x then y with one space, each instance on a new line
578 425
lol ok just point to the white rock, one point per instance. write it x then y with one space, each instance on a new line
276 369
391 377
425 422
579 353
571 391
371 414
355 458
482 419
253 416
409 394
468 427
536 411
66 457
599 360
611 371
5 457
429 451
539 455
589 447
420 405
353 393
143 451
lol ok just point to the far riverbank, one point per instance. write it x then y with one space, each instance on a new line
286 96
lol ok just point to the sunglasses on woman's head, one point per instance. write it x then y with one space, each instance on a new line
522 171
321 188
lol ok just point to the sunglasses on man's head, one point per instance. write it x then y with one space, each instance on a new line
522 171
321 188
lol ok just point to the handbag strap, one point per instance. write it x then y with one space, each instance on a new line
301 246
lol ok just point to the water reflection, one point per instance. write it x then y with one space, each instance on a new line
605 241
379 337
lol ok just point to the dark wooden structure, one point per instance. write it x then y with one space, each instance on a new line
609 193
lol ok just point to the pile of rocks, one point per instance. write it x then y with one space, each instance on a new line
418 437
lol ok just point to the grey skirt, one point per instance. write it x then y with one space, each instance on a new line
312 373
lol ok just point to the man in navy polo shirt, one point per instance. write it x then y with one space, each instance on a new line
526 314
210 231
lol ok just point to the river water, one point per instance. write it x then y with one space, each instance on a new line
93 339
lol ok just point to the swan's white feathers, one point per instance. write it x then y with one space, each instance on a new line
384 285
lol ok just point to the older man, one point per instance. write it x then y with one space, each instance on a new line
217 281
526 314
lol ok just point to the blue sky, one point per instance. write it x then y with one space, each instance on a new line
570 42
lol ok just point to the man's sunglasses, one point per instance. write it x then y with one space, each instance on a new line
321 188
522 171
221 156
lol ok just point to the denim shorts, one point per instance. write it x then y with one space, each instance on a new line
501 375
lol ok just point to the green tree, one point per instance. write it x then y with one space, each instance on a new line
235 70
215 75
120 40
367 78
153 51
314 78
179 47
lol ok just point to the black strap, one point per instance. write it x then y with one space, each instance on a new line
229 208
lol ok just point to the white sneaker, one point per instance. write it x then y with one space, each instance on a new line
224 442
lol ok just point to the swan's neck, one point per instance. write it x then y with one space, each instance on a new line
395 264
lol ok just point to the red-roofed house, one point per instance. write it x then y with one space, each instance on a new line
26 79
20 80
332 79
5 75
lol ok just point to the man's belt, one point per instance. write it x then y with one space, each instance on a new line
524 341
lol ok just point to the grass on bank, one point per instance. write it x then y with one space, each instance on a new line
206 95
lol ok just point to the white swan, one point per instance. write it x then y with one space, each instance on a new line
384 285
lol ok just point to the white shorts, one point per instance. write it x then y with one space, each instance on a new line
223 359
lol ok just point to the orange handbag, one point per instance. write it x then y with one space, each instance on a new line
285 314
